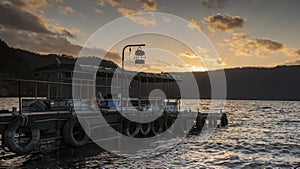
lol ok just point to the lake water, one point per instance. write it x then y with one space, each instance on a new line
261 134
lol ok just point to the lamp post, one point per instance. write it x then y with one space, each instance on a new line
123 57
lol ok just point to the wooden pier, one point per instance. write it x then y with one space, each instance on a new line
54 116
22 133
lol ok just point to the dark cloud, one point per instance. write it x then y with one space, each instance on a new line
214 4
23 25
68 34
15 18
44 44
41 43
19 15
224 22
267 44
219 4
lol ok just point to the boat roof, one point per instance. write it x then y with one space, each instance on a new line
69 68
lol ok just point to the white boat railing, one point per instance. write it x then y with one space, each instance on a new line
129 104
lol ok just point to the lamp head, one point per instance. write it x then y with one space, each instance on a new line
139 58
139 52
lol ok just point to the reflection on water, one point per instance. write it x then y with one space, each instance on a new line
261 134
8 103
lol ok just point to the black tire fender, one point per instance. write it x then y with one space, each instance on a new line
200 123
186 125
157 127
68 133
168 124
11 142
224 120
127 128
147 130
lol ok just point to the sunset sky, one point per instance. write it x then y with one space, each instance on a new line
244 32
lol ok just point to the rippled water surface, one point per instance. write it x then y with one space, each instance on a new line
261 134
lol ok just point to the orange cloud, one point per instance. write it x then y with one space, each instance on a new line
115 2
194 25
242 45
125 8
65 10
292 63
138 19
191 58
190 55
98 10
291 52
29 5
101 2
202 58
221 62
149 5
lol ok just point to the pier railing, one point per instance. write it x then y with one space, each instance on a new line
48 102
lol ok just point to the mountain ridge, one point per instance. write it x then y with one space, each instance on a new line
249 83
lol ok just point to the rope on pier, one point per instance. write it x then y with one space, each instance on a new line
18 116
24 119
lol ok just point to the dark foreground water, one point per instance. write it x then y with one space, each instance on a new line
261 134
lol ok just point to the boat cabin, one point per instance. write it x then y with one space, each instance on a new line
56 89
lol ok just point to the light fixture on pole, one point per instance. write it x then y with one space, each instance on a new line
139 60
